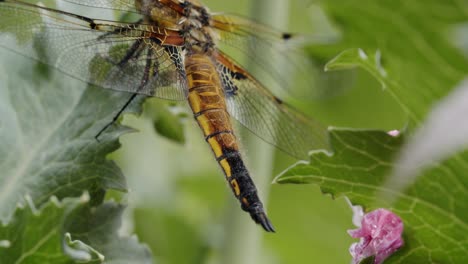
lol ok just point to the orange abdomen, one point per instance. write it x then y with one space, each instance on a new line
208 103
206 98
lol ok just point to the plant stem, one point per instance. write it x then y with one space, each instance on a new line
243 239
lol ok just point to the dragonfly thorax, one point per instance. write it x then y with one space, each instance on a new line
160 14
196 29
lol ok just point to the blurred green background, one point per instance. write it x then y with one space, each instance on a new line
179 202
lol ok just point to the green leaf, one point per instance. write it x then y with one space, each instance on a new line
357 167
37 236
54 234
48 145
99 227
404 46
48 137
167 119
421 64
434 209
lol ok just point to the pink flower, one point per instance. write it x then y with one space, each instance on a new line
380 232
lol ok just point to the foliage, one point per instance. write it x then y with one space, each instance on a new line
51 152
398 59
71 231
414 61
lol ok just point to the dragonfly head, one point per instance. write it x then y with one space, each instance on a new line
163 13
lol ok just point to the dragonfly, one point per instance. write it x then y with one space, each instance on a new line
172 50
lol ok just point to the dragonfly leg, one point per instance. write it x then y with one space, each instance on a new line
129 101
144 80
134 51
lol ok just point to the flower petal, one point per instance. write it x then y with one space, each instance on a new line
380 236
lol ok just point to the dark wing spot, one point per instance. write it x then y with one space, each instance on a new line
279 101
286 36
92 25
238 75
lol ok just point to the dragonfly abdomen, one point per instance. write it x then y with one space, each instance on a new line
206 98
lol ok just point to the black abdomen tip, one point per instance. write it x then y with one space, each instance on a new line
262 219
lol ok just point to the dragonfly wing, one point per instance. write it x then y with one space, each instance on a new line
106 54
267 116
121 5
143 7
259 43
241 26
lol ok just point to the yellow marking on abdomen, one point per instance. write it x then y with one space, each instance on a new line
208 103
235 187
214 120
215 146
226 167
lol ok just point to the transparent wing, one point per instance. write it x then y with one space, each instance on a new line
143 7
121 5
267 116
237 25
260 43
110 55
